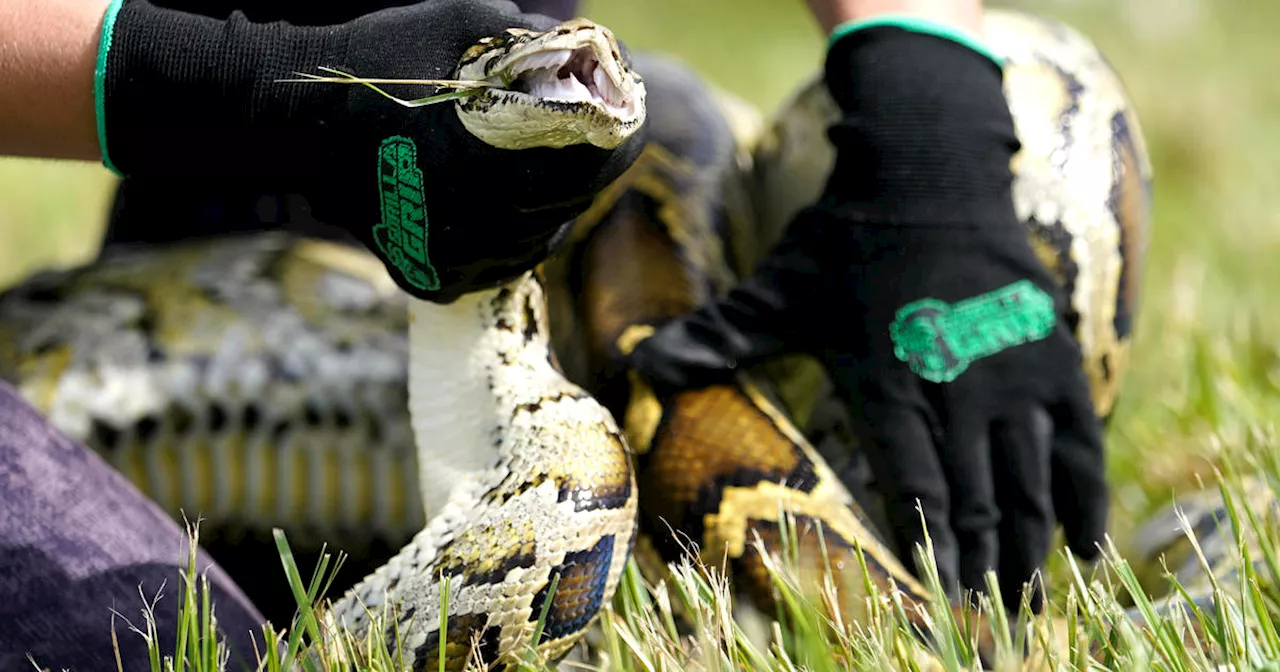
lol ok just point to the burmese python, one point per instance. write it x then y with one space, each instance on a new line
264 380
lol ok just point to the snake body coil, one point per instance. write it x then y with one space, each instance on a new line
716 462
530 480
268 381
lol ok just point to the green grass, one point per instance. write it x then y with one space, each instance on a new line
1206 372
685 620
1205 366
51 214
1205 363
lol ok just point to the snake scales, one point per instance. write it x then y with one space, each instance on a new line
271 380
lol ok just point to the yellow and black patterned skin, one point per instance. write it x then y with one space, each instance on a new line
527 488
261 381
255 382
715 463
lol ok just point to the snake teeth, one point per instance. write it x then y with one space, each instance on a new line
571 76
554 88
606 88
543 60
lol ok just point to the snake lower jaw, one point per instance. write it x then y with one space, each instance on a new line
514 120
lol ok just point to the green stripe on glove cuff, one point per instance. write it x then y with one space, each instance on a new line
917 25
99 77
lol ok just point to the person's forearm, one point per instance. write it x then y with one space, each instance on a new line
48 50
963 14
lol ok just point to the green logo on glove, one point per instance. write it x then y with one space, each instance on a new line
939 340
402 234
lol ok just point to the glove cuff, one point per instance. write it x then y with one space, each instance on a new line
926 135
181 93
99 83
918 25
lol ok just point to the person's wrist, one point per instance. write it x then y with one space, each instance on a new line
917 24
49 49
956 20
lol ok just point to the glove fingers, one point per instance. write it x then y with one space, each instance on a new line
966 452
672 359
892 423
1080 493
1021 443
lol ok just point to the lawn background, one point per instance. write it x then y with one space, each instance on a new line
1206 371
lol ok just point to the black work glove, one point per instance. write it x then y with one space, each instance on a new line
914 281
195 95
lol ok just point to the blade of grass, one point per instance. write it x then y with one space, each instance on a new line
466 88
444 618
306 615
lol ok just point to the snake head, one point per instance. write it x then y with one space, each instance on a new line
566 86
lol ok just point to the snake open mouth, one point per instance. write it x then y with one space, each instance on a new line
571 76
554 88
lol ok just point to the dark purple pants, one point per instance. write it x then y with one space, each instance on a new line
76 542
